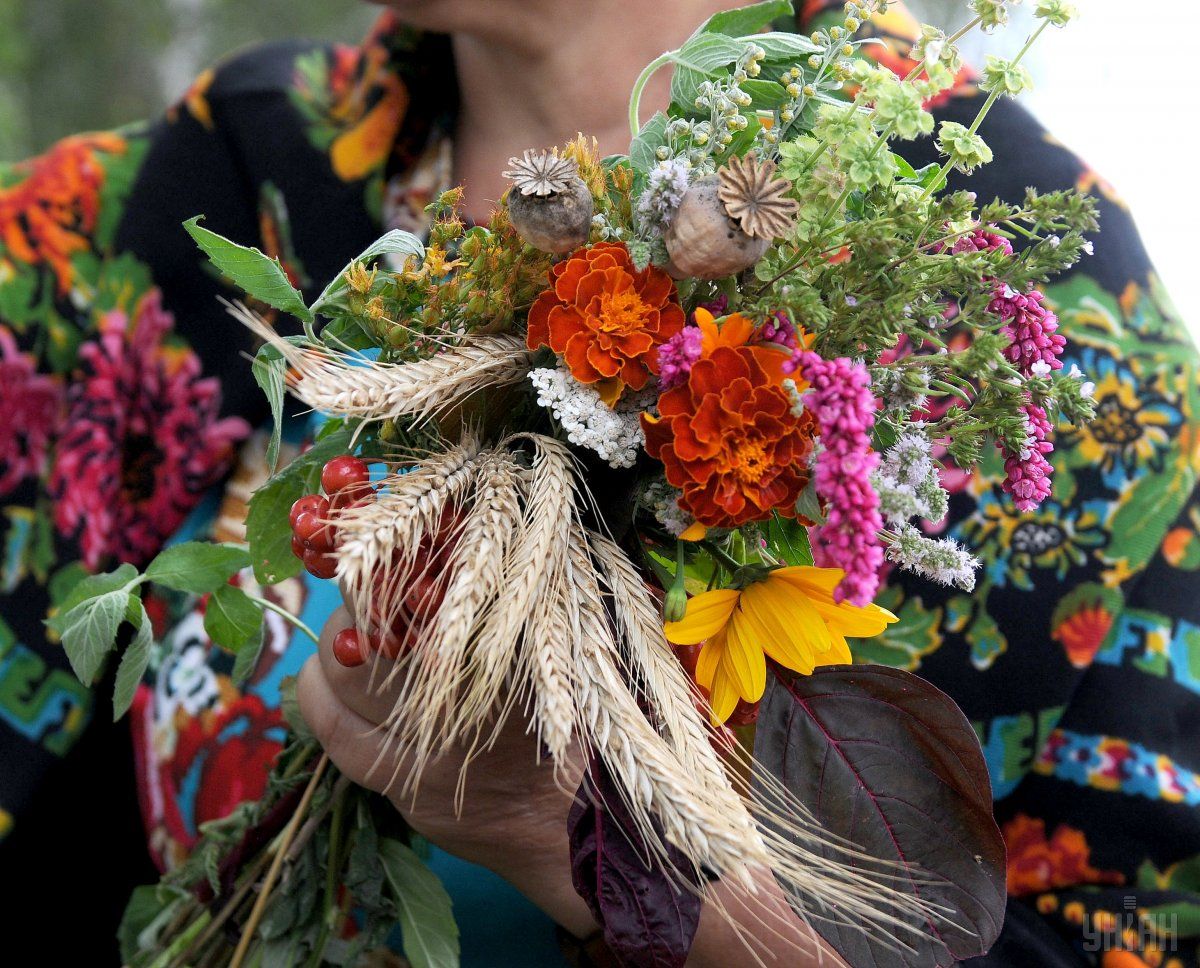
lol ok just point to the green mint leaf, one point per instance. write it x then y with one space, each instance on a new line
91 586
652 135
258 275
231 619
268 369
290 707
248 656
746 20
198 567
702 58
426 919
133 662
90 632
394 241
268 530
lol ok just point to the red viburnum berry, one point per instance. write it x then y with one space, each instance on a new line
319 564
343 472
351 496
314 532
312 503
349 648
298 548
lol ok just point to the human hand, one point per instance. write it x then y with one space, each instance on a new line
512 817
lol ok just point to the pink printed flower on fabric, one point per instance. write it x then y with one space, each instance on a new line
142 441
31 404
839 396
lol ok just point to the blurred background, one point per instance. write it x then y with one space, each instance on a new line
73 65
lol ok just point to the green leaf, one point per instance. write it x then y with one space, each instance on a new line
90 632
746 20
133 662
395 241
767 94
268 369
231 618
90 587
703 57
198 567
268 531
289 706
259 276
426 918
781 46
248 656
149 909
652 135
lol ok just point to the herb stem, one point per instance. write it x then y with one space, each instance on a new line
983 111
635 96
283 612
264 893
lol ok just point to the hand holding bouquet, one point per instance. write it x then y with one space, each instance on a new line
628 460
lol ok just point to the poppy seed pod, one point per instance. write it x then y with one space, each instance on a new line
703 241
549 205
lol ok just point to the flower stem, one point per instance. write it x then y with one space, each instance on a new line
635 96
264 893
983 111
292 619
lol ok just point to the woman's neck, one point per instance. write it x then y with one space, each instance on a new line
552 70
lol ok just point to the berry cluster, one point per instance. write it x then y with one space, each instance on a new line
346 483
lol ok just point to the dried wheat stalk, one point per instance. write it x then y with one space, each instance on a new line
350 385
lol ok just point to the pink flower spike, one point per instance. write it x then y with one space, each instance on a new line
839 396
1027 474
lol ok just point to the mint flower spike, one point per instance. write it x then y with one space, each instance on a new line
963 148
1005 76
1057 12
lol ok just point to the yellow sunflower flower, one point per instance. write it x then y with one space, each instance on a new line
789 615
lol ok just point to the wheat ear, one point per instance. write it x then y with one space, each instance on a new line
350 385
508 670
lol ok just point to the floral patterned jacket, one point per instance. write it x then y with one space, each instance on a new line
126 411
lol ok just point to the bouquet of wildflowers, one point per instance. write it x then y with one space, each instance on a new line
629 459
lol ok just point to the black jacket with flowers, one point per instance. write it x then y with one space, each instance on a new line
124 400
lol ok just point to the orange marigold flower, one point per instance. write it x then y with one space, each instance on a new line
605 318
729 440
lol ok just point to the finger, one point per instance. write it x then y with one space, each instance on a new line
356 687
352 742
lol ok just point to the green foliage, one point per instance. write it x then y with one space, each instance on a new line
259 276
268 531
231 619
426 919
197 566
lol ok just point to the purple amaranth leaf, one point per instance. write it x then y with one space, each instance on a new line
649 919
889 763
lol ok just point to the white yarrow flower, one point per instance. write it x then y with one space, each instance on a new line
616 435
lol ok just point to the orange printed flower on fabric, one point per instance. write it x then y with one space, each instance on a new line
605 318
1037 863
50 214
728 439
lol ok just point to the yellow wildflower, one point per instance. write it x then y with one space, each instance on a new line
789 615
